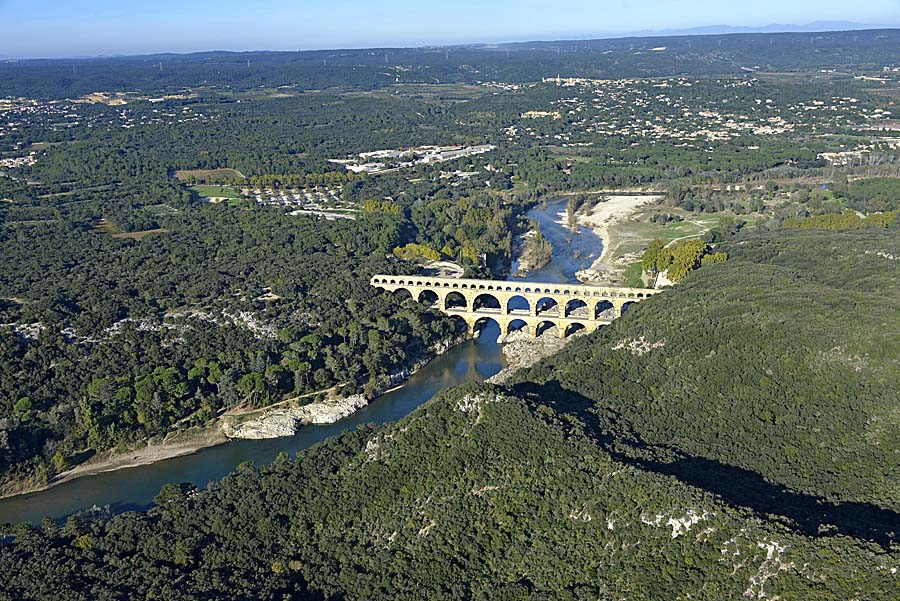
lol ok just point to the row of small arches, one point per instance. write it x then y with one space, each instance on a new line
519 289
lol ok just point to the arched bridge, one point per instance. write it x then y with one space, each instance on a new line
516 305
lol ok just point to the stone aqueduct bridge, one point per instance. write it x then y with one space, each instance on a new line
515 305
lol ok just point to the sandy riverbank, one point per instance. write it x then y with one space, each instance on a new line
284 416
607 214
610 266
185 443
266 423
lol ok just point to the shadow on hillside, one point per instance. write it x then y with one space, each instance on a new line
807 514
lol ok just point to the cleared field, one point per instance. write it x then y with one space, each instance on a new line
628 239
106 227
204 176
639 232
207 191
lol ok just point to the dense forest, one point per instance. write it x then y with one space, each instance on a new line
731 438
107 242
780 362
735 436
215 306
228 306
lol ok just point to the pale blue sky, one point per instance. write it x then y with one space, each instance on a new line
49 28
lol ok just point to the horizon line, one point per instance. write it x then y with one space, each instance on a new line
680 33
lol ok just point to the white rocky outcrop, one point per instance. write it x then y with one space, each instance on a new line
769 568
883 255
470 403
285 421
679 525
638 346
474 404
521 351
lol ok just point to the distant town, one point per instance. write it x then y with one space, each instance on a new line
384 161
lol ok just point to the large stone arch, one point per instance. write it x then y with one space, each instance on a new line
455 300
486 301
462 324
574 328
627 306
518 324
482 322
604 310
399 291
543 326
577 308
518 302
429 297
546 305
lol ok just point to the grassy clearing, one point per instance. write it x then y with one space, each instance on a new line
208 175
641 231
207 191
105 227
634 276
629 239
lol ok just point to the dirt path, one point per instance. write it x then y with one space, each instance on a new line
243 410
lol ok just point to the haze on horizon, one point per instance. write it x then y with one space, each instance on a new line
60 28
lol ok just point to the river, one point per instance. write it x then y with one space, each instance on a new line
571 252
474 360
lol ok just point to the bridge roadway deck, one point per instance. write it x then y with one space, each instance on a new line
570 307
520 288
